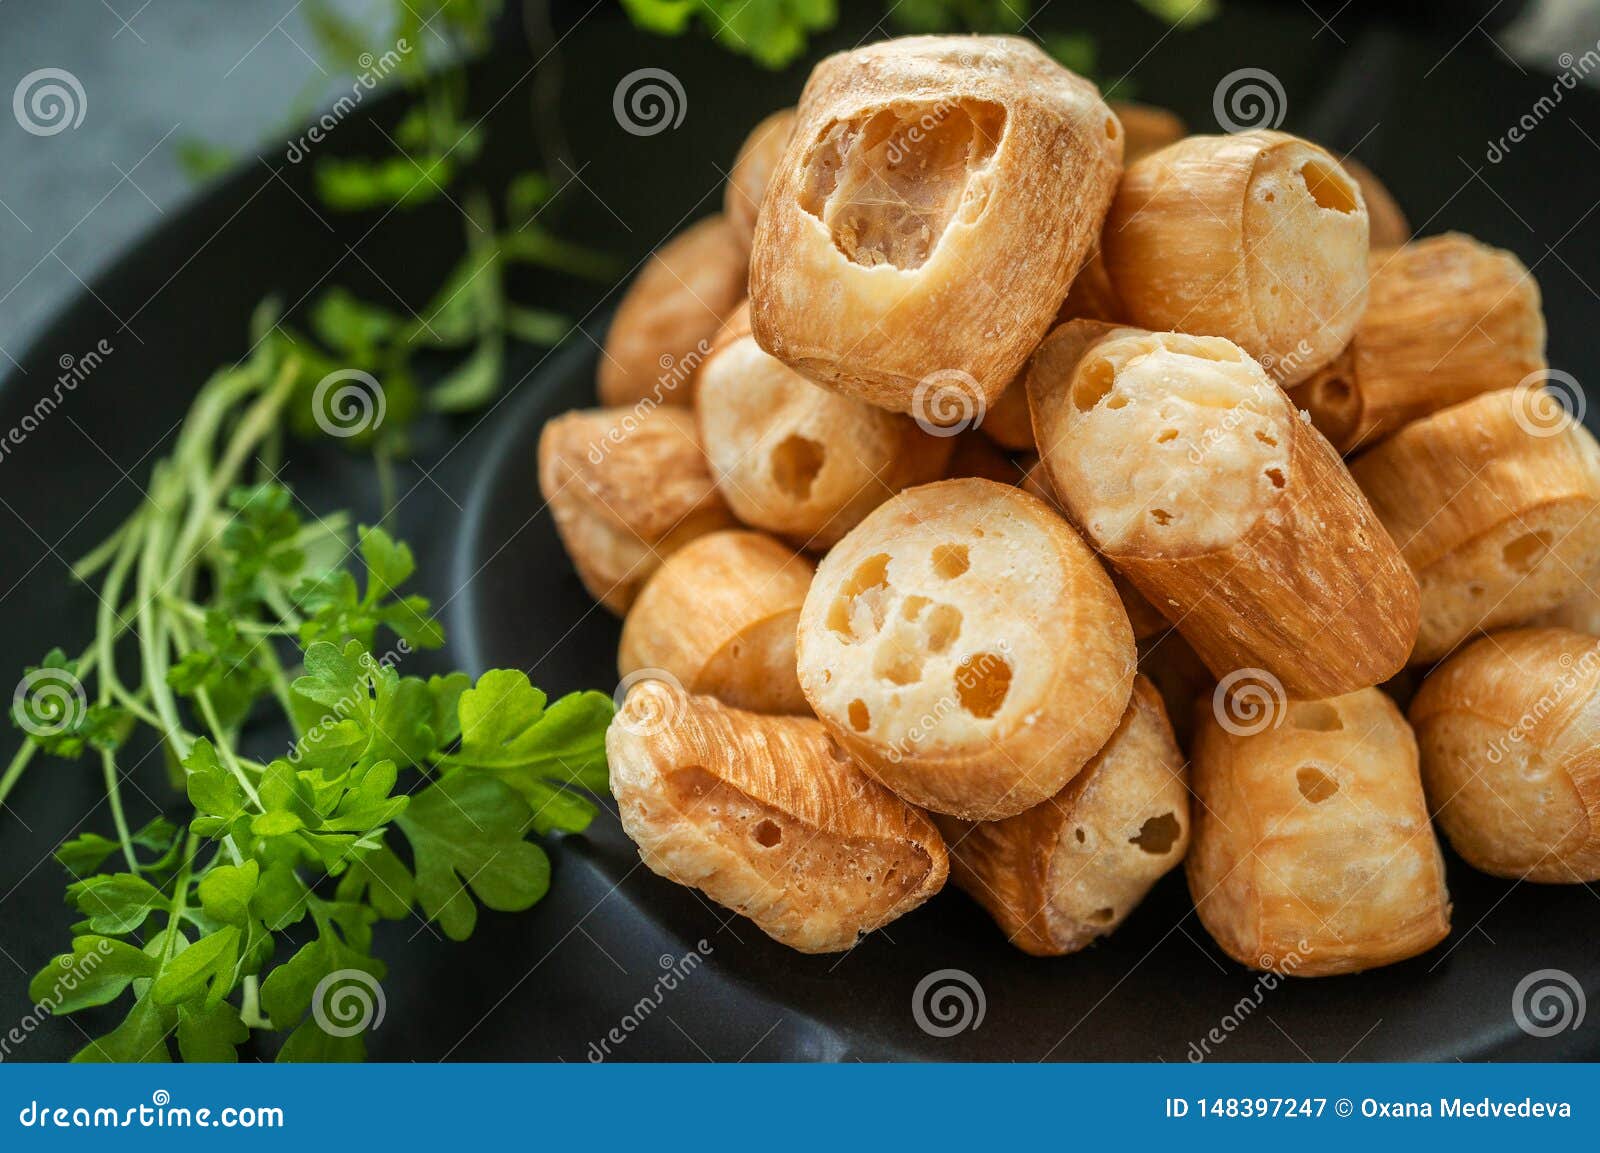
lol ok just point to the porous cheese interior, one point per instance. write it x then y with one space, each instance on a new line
1305 235
950 635
887 185
1174 445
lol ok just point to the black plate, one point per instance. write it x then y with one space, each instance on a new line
578 976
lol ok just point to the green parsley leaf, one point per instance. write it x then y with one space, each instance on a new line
772 32
206 968
95 973
210 1032
53 710
466 831
85 853
506 727
116 903
142 1036
339 613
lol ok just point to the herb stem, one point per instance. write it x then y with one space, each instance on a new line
108 765
225 746
97 558
153 629
110 625
280 684
180 894
250 1005
197 614
15 769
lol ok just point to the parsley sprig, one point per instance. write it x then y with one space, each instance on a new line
775 33
399 795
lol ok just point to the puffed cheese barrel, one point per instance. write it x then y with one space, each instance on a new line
1447 318
719 615
1146 128
752 172
1260 237
1311 852
768 817
1493 503
1509 730
797 459
936 200
1196 478
1070 870
625 490
667 318
964 644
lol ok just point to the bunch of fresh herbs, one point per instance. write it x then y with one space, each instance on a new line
398 794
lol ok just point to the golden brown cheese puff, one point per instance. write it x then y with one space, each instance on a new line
752 171
664 325
797 459
1071 869
1311 852
1259 237
1510 735
768 817
967 648
1447 318
719 615
1191 472
936 200
1492 503
626 490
